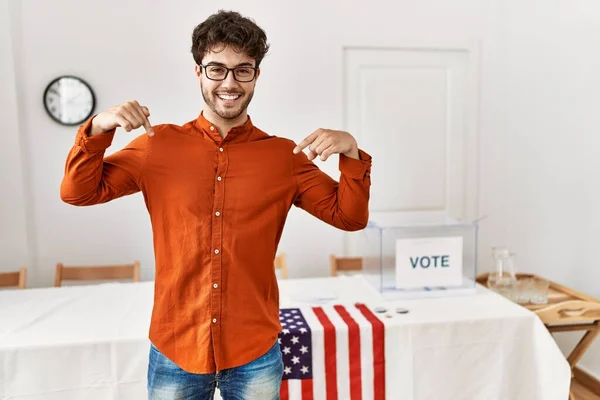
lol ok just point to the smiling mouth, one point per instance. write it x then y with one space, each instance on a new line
229 97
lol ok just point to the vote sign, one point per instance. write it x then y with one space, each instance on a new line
429 262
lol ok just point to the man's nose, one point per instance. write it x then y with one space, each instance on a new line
229 80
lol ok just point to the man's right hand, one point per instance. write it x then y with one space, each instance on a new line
128 116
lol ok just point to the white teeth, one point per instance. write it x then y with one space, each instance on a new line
228 97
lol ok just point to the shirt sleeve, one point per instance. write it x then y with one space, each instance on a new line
344 205
90 178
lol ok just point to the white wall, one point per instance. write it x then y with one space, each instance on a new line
14 249
129 50
539 153
538 121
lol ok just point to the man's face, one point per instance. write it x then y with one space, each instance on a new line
226 98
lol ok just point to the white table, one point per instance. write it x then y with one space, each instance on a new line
478 347
90 342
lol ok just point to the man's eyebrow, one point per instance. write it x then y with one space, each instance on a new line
244 64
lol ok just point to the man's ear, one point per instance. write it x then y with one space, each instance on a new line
197 70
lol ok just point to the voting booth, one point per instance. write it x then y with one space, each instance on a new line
414 259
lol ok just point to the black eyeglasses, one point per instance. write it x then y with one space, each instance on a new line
220 72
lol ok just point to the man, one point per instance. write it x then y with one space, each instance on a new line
218 191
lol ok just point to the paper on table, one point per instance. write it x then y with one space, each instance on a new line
317 294
312 299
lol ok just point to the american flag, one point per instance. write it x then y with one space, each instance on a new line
332 352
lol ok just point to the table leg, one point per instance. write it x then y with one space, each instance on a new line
582 346
592 331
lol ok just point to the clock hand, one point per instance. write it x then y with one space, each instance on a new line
72 99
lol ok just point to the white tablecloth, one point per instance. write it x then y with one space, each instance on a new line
90 342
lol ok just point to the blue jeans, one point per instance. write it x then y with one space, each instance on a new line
259 379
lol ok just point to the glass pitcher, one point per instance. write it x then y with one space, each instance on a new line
503 279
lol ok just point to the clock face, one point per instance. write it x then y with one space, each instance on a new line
69 100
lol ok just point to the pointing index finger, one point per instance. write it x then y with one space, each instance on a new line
148 127
146 122
308 140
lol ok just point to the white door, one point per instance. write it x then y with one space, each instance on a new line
414 110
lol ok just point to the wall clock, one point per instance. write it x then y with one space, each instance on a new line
69 100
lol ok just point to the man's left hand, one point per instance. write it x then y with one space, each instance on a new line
325 142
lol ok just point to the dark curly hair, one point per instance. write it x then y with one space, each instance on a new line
229 28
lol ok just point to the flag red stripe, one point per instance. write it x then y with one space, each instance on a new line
354 353
307 389
330 354
378 351
284 391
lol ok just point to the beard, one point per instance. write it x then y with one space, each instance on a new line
224 111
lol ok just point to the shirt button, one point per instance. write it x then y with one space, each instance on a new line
214 320
212 128
221 149
215 285
217 213
219 178
216 251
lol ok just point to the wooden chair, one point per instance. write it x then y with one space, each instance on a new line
345 264
128 271
281 263
14 279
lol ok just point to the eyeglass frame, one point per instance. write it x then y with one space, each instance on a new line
227 73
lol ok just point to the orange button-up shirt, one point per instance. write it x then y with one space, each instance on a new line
217 207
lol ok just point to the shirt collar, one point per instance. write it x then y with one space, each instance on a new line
211 130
